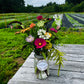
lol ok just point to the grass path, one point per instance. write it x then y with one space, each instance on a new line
11 55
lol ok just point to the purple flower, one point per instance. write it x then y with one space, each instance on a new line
29 38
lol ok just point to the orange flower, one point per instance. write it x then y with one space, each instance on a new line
32 25
25 30
17 32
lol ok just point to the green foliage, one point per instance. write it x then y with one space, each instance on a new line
44 55
11 49
57 56
26 51
6 69
36 69
54 24
14 6
78 7
63 28
74 2
71 37
19 6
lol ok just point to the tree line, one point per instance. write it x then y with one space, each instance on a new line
11 6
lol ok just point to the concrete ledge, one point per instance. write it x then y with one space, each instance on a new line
73 71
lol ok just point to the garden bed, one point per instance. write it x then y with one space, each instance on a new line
66 23
80 21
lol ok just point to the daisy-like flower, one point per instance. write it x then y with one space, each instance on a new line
40 17
29 38
40 24
41 32
40 43
32 25
47 35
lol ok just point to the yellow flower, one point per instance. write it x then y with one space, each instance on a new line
48 45
47 33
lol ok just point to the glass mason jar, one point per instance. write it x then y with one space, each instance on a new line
41 66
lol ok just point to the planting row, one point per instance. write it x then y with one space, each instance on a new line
24 19
74 22
80 19
66 23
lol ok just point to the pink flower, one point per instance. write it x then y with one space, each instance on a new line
30 38
53 29
40 17
58 26
11 27
39 43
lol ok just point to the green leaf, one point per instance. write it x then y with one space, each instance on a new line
44 55
36 69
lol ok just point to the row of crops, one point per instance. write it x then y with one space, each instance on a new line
76 20
24 18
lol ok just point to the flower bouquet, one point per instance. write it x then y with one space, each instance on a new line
42 42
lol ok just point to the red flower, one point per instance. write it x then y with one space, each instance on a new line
39 43
40 17
49 18
53 29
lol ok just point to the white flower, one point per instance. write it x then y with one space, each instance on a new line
41 36
58 22
41 32
40 24
47 35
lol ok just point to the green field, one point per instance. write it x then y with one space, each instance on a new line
11 54
24 18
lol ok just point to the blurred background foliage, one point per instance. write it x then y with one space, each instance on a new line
12 6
